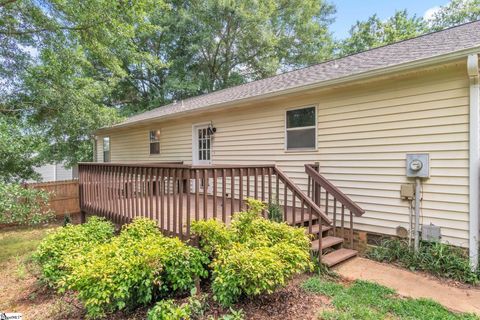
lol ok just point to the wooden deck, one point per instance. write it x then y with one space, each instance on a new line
175 195
176 213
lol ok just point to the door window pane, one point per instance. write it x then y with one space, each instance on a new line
106 149
204 144
154 141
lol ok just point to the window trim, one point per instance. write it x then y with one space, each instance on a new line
315 148
150 143
109 149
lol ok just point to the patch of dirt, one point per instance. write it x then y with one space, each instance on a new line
21 292
288 303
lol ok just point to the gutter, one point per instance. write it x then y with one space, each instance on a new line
474 158
424 62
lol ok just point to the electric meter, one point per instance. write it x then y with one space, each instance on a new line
417 165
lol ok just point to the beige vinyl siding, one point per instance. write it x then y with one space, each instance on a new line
364 132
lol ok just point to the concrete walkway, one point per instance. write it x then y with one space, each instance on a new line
412 284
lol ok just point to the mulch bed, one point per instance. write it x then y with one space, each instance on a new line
288 303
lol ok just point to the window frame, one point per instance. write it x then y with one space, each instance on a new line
109 149
315 126
156 141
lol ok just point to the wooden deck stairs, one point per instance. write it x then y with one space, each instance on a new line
326 241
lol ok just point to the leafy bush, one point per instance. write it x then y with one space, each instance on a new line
253 255
193 309
168 310
71 241
22 205
437 258
275 212
134 268
213 234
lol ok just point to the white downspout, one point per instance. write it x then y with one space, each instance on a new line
474 159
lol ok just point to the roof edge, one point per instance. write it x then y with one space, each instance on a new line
355 77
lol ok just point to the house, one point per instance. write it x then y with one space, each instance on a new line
357 117
56 172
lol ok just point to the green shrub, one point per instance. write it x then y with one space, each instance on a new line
253 255
194 308
134 268
213 234
22 205
275 212
168 310
249 271
70 242
436 258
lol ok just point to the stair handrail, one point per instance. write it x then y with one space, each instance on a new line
333 190
316 209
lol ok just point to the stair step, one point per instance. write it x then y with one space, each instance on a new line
316 228
337 256
327 242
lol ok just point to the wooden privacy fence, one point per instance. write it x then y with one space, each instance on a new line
175 195
64 196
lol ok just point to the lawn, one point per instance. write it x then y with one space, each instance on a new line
364 300
306 297
19 242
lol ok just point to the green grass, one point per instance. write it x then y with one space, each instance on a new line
364 300
20 242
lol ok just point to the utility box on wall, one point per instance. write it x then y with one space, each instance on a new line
431 233
417 165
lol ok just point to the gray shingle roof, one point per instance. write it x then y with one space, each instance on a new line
423 47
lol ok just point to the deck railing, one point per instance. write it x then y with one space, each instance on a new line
174 195
332 200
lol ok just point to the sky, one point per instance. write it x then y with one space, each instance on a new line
349 11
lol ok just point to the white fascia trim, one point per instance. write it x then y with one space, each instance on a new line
474 158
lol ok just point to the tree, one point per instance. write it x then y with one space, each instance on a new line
61 90
214 44
454 13
19 152
374 32
71 68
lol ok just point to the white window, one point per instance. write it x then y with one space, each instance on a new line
106 149
301 129
154 141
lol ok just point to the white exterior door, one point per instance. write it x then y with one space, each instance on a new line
202 145
202 154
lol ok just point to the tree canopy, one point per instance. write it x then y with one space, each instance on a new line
374 32
68 67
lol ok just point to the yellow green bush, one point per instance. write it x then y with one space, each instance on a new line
70 242
134 268
253 255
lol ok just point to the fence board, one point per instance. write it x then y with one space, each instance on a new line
64 196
